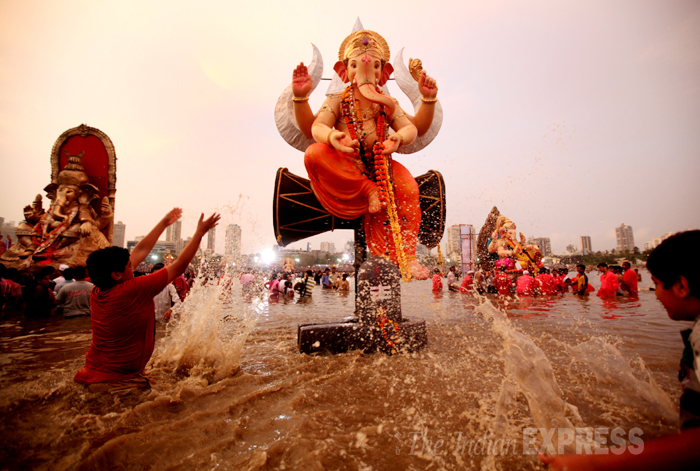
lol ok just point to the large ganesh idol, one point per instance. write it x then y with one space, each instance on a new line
355 133
80 216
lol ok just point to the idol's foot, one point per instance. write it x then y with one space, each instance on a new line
418 271
374 204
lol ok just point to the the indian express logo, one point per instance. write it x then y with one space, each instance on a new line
585 440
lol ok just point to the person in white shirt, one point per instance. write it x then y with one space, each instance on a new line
74 297
61 281
166 300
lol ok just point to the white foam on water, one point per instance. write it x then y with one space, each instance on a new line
528 370
207 334
615 377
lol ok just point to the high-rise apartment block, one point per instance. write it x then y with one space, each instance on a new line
454 242
174 231
233 241
119 235
625 238
586 247
543 243
328 247
211 240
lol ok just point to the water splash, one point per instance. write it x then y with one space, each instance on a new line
210 329
615 377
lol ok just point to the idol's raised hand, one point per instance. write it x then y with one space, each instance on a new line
427 86
301 81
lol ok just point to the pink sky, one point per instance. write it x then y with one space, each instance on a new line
571 117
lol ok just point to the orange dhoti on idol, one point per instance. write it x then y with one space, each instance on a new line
343 187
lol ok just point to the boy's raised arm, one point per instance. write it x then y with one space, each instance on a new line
144 247
180 264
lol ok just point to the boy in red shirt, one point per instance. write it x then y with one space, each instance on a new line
123 311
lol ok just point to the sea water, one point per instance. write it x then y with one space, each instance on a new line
231 391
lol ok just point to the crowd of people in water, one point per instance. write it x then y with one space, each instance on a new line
615 280
67 290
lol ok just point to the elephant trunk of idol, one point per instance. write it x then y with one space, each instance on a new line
58 209
368 89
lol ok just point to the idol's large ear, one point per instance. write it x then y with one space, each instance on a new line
88 192
339 68
386 73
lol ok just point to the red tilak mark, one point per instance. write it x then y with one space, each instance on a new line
377 269
366 58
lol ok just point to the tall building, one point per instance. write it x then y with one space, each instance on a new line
543 243
174 231
233 241
328 247
467 249
625 238
119 235
211 240
586 247
454 243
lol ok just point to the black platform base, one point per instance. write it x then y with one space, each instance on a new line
348 334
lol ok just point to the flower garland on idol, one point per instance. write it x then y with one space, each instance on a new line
380 165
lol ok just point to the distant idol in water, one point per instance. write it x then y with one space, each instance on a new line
507 250
348 144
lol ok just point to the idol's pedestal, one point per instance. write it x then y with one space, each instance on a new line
378 324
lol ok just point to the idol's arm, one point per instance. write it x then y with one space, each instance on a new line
301 86
426 112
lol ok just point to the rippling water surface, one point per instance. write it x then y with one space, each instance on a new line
231 390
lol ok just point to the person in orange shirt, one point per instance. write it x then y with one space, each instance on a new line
525 286
503 282
629 280
467 283
437 280
547 285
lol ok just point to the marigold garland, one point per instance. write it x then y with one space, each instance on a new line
378 166
383 320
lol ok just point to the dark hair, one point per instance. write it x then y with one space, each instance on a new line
581 265
12 274
345 275
157 267
68 273
309 273
102 263
43 273
675 257
437 270
80 272
603 264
